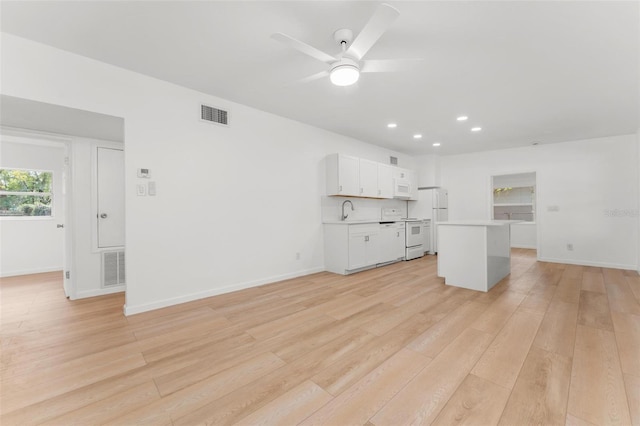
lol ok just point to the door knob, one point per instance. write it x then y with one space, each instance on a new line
103 215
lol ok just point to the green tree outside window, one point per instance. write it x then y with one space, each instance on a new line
25 192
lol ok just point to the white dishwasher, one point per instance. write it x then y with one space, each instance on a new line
391 241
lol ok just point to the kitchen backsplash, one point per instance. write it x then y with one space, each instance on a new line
364 208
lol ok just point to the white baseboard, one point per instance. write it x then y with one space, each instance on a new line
589 263
5 274
137 309
99 292
524 246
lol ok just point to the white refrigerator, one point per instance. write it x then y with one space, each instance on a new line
432 203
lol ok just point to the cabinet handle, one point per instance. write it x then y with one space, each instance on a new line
366 238
398 234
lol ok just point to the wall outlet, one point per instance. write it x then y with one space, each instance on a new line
152 188
570 247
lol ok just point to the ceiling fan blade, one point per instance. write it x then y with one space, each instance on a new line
390 65
304 48
382 19
310 78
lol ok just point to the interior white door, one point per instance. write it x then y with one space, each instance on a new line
67 258
110 192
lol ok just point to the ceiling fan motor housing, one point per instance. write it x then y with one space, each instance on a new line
343 36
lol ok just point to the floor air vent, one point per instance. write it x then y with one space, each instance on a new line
214 115
112 268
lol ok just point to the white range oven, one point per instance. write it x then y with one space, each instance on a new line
416 235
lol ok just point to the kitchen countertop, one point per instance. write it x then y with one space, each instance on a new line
350 222
480 222
357 222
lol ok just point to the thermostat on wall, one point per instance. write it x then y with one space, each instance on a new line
143 173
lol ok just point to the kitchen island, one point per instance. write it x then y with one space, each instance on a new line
474 254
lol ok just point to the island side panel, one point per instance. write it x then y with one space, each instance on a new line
462 256
498 253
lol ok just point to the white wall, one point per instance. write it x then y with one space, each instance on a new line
234 204
428 170
594 184
33 244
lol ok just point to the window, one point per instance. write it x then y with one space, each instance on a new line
25 193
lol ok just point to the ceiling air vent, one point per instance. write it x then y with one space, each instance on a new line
214 115
393 160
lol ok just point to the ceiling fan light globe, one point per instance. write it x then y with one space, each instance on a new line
344 75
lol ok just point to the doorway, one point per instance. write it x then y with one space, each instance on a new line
34 199
513 197
82 130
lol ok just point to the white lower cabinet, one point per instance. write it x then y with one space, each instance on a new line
351 247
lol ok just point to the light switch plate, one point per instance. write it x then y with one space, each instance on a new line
152 188
141 190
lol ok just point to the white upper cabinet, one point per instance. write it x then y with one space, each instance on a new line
385 181
413 181
368 178
343 175
357 177
409 176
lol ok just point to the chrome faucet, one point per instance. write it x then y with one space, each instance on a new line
344 216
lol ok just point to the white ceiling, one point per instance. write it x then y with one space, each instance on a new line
546 71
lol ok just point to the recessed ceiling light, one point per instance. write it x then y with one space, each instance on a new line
417 136
392 125
476 129
462 118
436 144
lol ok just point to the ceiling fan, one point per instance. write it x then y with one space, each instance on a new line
345 68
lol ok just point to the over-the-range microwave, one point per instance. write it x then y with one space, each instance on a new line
401 188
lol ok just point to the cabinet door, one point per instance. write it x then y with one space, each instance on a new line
368 178
399 173
399 243
412 176
348 175
372 249
385 181
357 251
110 191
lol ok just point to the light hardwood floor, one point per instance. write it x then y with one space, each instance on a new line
551 344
